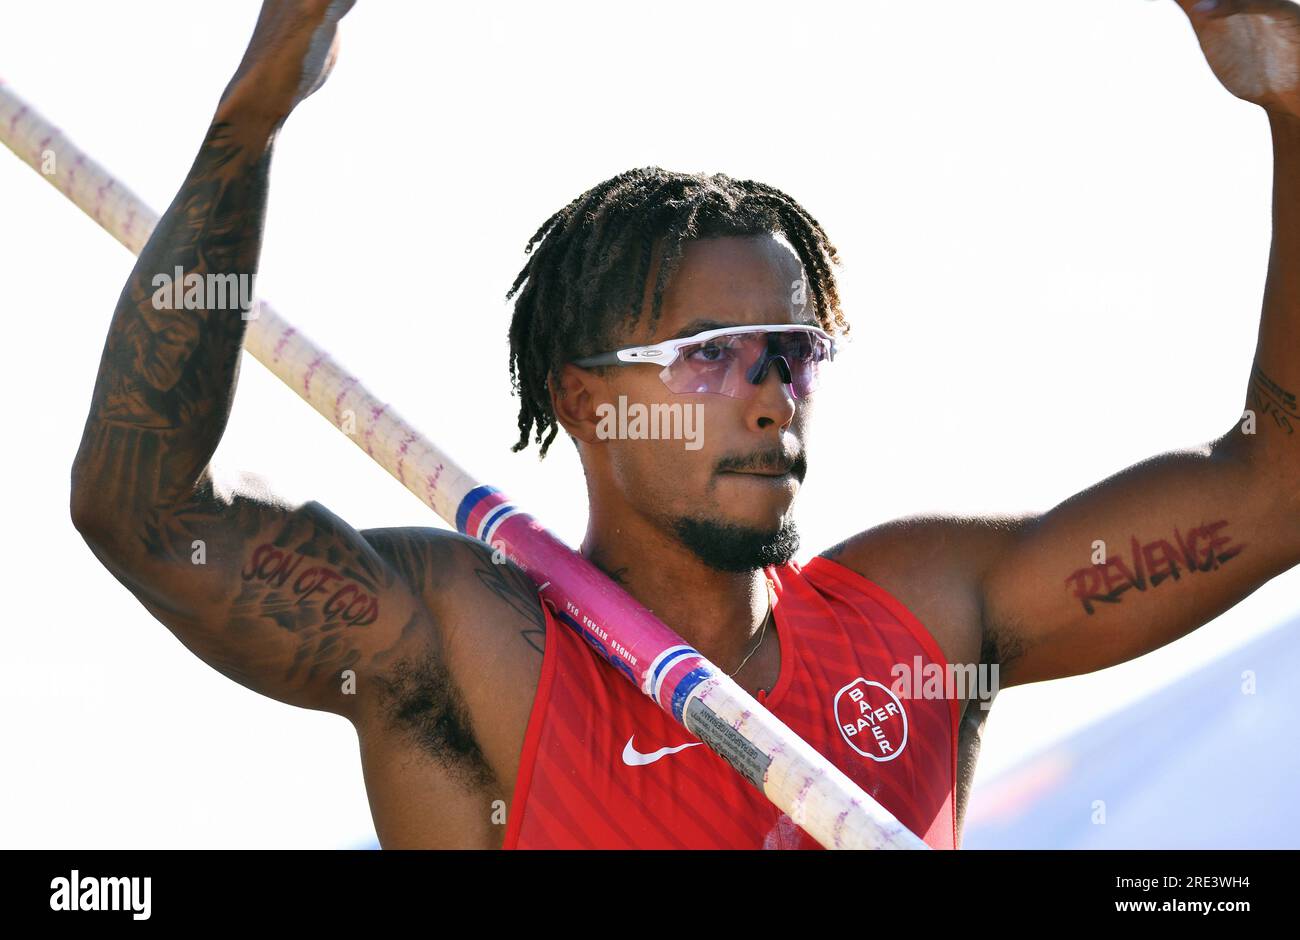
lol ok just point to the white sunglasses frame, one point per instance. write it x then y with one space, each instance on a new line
665 353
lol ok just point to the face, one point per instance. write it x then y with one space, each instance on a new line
727 491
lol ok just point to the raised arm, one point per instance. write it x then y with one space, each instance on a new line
1165 546
282 599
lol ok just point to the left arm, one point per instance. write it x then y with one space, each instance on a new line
1165 546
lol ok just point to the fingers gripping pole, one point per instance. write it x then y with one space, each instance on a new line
812 791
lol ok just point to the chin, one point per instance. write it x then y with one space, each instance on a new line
734 545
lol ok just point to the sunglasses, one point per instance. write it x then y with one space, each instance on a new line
733 360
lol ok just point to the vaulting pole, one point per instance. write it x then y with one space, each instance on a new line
812 791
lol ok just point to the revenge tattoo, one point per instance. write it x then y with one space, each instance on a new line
1203 548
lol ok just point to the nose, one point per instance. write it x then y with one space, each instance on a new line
773 403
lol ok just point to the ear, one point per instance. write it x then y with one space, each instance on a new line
576 399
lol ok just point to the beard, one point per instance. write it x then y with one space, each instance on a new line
726 546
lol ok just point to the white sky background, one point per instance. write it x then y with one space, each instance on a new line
1054 225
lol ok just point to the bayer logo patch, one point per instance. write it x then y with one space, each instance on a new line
872 719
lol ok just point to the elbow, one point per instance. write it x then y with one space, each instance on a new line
93 506
1268 464
84 509
91 514
103 534
89 520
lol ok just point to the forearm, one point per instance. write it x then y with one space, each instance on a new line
167 376
1275 378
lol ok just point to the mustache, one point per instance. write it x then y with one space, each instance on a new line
775 460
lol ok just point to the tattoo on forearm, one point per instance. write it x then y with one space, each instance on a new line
1201 549
167 376
160 406
1269 398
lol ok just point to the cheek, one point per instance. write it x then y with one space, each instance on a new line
665 445
670 473
658 474
668 429
639 383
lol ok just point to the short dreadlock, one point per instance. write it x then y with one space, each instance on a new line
590 270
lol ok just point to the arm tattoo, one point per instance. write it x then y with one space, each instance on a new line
167 376
418 554
517 590
161 401
1269 398
1200 549
303 574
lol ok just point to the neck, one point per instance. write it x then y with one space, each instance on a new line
720 613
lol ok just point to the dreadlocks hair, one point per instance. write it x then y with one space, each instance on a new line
586 279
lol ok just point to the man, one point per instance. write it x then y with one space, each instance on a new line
483 722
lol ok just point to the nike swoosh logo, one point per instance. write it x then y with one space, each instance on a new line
634 758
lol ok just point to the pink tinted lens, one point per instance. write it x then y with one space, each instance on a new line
727 365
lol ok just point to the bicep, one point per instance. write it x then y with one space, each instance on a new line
1137 561
289 601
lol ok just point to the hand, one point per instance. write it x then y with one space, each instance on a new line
1253 47
292 52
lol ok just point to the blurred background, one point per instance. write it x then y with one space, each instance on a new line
1210 761
1054 224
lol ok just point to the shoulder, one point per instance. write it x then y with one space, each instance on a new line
934 565
458 576
420 555
466 683
956 539
464 584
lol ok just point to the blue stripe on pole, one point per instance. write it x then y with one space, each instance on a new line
472 499
490 519
667 662
685 687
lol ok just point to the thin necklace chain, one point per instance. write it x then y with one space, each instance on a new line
771 608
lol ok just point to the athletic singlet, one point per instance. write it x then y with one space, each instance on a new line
603 767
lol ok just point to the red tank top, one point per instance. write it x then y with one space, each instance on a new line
603 767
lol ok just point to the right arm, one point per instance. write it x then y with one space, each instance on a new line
282 599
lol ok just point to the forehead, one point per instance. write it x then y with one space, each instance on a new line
729 281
